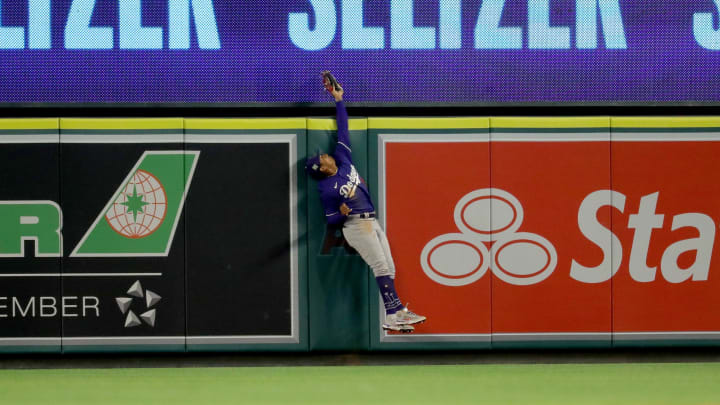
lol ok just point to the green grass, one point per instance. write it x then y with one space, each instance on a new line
576 384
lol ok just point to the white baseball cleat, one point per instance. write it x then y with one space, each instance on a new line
392 324
398 328
407 317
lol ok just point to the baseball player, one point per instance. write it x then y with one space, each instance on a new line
346 200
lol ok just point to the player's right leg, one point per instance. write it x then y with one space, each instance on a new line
362 236
402 316
385 245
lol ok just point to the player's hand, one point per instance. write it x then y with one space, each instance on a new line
344 209
338 94
332 86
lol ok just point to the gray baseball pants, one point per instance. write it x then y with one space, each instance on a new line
367 237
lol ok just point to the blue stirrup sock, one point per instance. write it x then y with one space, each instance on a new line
389 295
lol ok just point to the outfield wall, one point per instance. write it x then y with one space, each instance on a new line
179 234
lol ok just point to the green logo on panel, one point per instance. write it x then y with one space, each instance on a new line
137 215
140 219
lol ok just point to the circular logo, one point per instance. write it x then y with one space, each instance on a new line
523 259
455 259
140 208
489 213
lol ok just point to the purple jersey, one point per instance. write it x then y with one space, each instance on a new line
346 186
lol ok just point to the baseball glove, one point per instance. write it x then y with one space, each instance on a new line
329 81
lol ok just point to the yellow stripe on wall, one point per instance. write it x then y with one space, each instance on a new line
245 123
29 123
329 124
429 123
665 122
120 124
550 122
359 123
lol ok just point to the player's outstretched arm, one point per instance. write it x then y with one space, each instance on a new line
343 149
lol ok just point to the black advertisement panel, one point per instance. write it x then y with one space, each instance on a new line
241 241
123 267
30 237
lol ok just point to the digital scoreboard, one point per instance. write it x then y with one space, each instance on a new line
390 51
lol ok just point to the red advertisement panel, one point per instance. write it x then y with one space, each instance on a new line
667 277
540 239
424 181
548 277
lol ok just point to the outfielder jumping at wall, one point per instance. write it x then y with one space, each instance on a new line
346 200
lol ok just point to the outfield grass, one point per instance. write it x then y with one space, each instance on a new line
577 384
